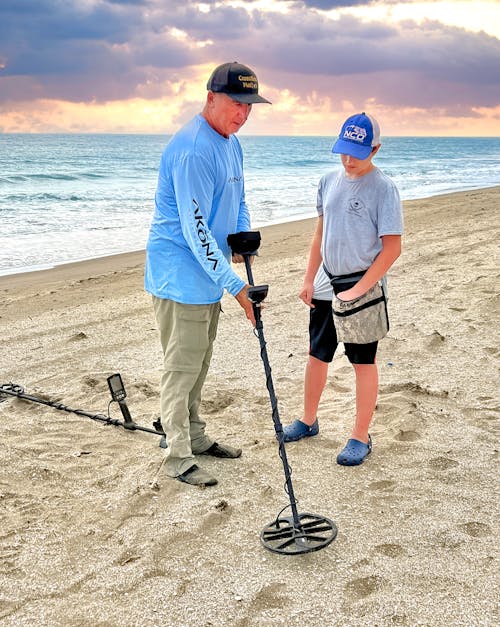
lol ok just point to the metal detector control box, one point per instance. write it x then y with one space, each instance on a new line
116 387
257 293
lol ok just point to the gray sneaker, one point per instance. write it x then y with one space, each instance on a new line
197 476
222 450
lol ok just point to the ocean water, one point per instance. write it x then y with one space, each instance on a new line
71 197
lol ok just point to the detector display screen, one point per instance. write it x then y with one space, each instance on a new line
116 387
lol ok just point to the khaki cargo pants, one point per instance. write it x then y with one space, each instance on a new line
187 333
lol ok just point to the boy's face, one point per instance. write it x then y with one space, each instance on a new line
355 168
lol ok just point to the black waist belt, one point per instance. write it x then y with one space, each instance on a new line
343 278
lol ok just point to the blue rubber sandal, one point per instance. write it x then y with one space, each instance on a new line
298 430
354 452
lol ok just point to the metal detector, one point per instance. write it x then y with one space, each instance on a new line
118 395
298 533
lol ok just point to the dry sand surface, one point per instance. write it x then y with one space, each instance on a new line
93 533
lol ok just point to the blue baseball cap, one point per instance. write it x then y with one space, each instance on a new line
359 134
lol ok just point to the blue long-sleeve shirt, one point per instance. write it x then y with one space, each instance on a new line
199 201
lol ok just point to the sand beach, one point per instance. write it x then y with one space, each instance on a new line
93 533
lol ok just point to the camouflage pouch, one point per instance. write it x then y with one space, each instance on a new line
362 320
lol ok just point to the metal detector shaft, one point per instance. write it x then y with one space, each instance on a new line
248 267
127 424
278 427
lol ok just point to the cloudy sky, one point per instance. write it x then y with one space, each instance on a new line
141 66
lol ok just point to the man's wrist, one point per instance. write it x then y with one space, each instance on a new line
236 288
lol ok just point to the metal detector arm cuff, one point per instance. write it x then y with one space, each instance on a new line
244 242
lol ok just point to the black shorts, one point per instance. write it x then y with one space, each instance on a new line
323 339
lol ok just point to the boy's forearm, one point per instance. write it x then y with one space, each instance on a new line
391 250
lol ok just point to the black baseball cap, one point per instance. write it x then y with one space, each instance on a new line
237 81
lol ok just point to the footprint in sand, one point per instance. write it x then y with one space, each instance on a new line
363 587
442 463
214 519
341 389
260 400
221 401
407 436
9 555
270 596
476 529
492 350
390 550
410 386
448 539
385 484
285 379
90 382
435 339
147 389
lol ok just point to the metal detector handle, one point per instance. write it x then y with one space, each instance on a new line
128 423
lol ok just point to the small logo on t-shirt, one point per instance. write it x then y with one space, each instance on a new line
356 206
234 179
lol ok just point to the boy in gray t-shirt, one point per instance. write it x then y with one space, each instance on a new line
357 239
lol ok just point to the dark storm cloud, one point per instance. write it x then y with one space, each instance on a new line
110 49
61 49
418 65
78 52
222 23
46 21
350 46
134 2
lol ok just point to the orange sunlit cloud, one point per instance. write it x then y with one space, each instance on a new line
288 117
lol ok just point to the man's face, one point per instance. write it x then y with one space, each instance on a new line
226 115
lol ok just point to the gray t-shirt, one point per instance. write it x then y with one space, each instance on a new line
356 214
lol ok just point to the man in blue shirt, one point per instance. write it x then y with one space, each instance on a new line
199 201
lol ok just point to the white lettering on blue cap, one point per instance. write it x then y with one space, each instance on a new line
355 133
